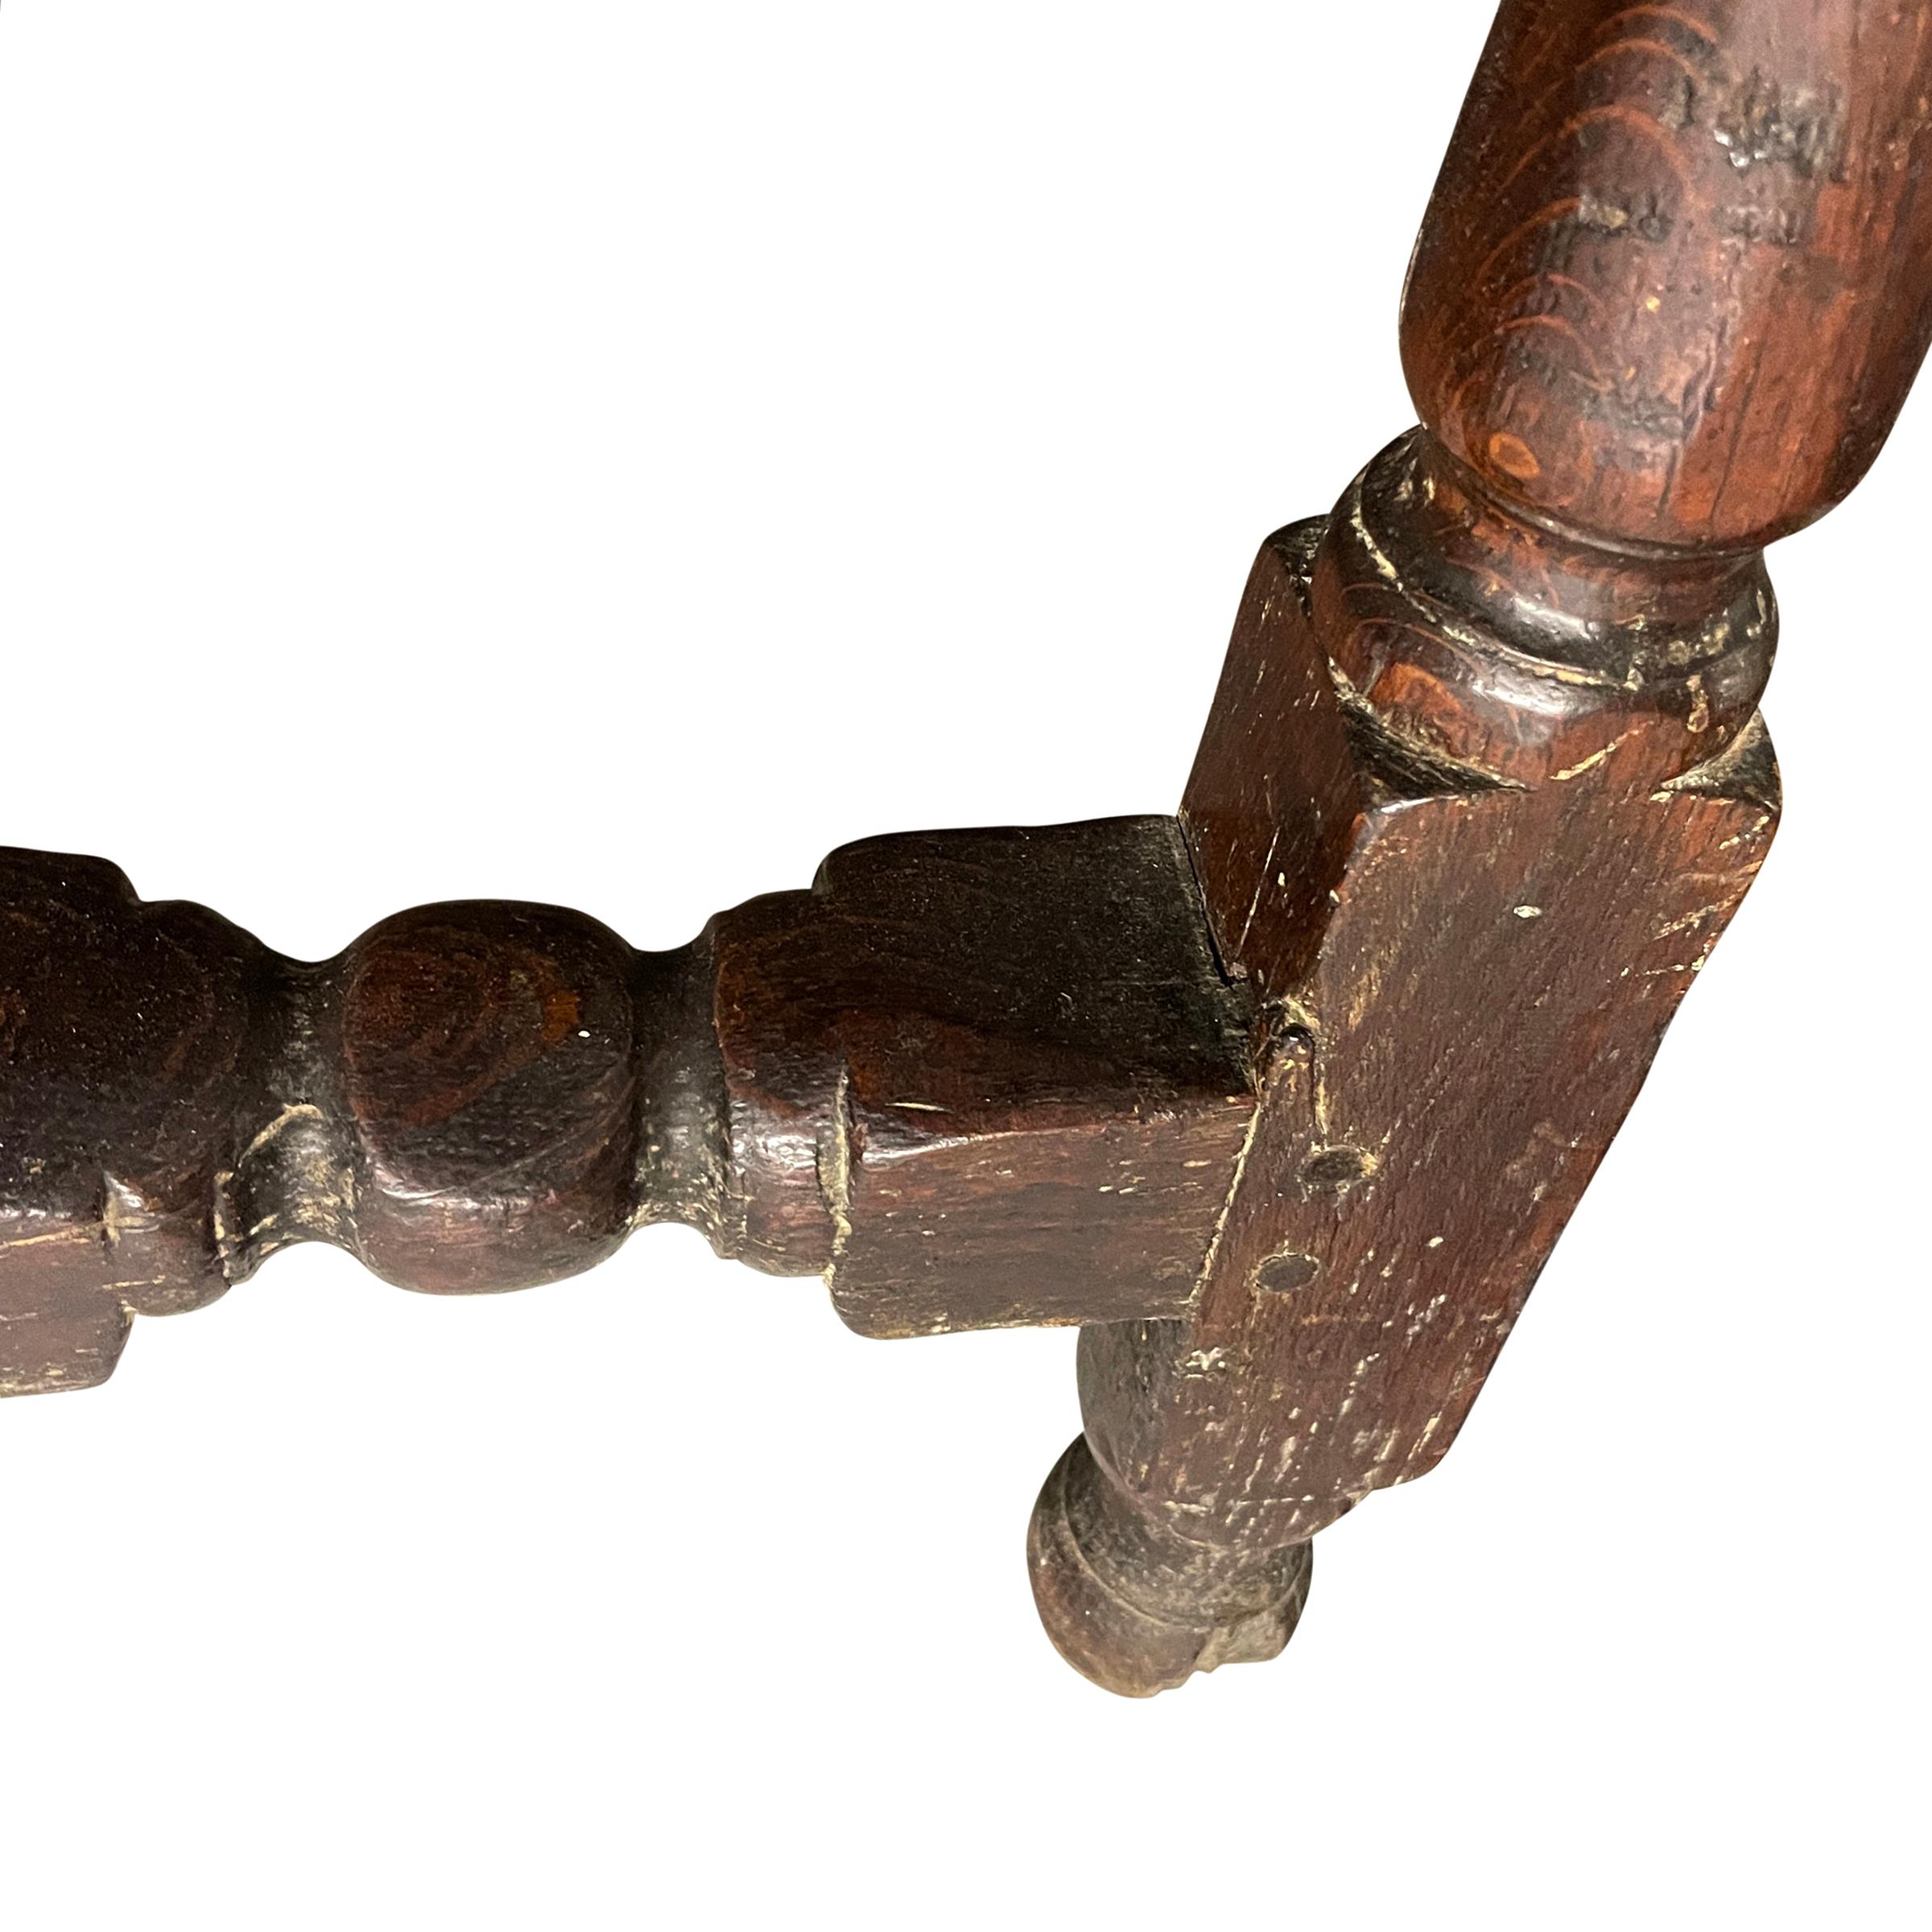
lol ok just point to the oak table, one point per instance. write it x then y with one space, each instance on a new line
1284 1100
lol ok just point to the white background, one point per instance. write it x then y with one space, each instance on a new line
610 454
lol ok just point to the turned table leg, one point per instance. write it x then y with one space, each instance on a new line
1465 973
1484 779
1285 1102
1137 1607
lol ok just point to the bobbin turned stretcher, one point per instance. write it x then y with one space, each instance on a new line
1284 1101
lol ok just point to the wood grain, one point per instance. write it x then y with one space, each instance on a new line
1286 1102
1677 277
1484 778
972 1078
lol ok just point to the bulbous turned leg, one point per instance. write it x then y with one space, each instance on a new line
1139 1609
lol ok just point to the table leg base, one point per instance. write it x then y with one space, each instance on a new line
1139 1609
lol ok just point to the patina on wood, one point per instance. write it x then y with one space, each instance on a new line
1484 778
973 1079
1286 1101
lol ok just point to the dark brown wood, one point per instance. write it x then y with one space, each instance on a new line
1459 1003
1672 289
983 1079
1483 780
972 1078
1285 1102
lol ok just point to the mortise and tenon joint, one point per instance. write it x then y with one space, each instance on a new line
1285 1101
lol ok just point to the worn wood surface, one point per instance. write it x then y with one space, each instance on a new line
1286 1102
972 1078
1484 779
995 1077
1671 290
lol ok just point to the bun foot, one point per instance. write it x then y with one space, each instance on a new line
1139 1609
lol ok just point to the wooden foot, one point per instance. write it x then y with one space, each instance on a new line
1139 1609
